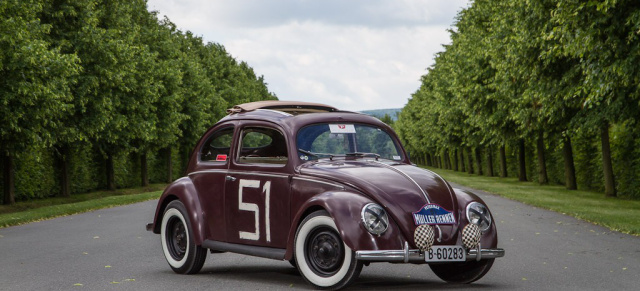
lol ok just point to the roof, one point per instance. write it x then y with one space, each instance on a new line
291 107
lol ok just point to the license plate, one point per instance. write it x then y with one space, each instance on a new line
445 254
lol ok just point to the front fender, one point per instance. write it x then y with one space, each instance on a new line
490 237
345 208
183 190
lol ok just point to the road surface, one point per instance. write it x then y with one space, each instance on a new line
109 249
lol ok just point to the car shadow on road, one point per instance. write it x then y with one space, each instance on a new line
398 283
270 275
289 277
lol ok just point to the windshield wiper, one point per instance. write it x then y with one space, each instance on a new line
310 153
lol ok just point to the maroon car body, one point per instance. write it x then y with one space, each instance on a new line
236 198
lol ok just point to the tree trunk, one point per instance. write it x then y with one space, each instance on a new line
470 161
63 167
111 181
169 165
455 159
462 167
447 160
543 179
489 162
478 155
144 174
569 167
503 162
8 176
607 167
522 167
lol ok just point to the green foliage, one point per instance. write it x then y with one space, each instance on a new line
37 165
34 79
566 69
106 78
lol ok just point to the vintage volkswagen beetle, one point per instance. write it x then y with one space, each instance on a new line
327 190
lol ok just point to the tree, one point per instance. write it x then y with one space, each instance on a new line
34 85
603 36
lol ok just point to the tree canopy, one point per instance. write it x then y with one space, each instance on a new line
108 77
535 74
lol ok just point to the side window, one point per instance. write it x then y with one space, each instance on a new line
216 148
261 145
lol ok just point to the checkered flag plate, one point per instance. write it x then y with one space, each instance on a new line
471 236
423 237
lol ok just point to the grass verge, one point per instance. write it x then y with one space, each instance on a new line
615 213
36 210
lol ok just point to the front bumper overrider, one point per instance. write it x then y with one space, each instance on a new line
416 256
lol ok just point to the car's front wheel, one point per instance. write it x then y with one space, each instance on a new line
323 259
462 273
181 252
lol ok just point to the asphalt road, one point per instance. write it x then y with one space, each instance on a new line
110 250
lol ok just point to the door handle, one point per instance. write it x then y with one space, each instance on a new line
230 178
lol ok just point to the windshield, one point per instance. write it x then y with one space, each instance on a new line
346 140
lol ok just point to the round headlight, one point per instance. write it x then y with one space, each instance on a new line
374 218
479 215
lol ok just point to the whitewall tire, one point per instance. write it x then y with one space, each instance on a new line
322 258
178 246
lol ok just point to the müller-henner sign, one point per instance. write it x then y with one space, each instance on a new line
433 214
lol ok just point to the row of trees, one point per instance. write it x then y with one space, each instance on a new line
559 76
108 77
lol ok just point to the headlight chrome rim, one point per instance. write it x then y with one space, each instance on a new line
372 211
476 211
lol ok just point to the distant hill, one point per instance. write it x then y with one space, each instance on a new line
393 112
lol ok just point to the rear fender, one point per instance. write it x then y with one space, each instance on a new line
183 190
345 209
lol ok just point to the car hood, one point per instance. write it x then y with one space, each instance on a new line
397 187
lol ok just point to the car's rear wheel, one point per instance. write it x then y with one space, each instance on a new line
179 248
322 258
462 273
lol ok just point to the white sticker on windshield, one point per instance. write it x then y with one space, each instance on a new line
342 128
397 158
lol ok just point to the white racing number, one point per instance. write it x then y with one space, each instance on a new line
266 189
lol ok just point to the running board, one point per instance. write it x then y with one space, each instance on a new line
264 252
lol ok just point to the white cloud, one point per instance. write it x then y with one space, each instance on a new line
373 60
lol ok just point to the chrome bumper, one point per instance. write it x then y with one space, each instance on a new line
416 256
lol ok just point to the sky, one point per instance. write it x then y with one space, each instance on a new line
351 54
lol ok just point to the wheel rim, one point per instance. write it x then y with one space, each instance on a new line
177 238
324 251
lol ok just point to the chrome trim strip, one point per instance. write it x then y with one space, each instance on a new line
415 256
207 171
321 182
240 173
276 111
485 254
406 176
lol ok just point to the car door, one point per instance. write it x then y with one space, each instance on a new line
209 175
257 188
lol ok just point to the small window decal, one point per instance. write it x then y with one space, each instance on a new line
342 128
221 158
